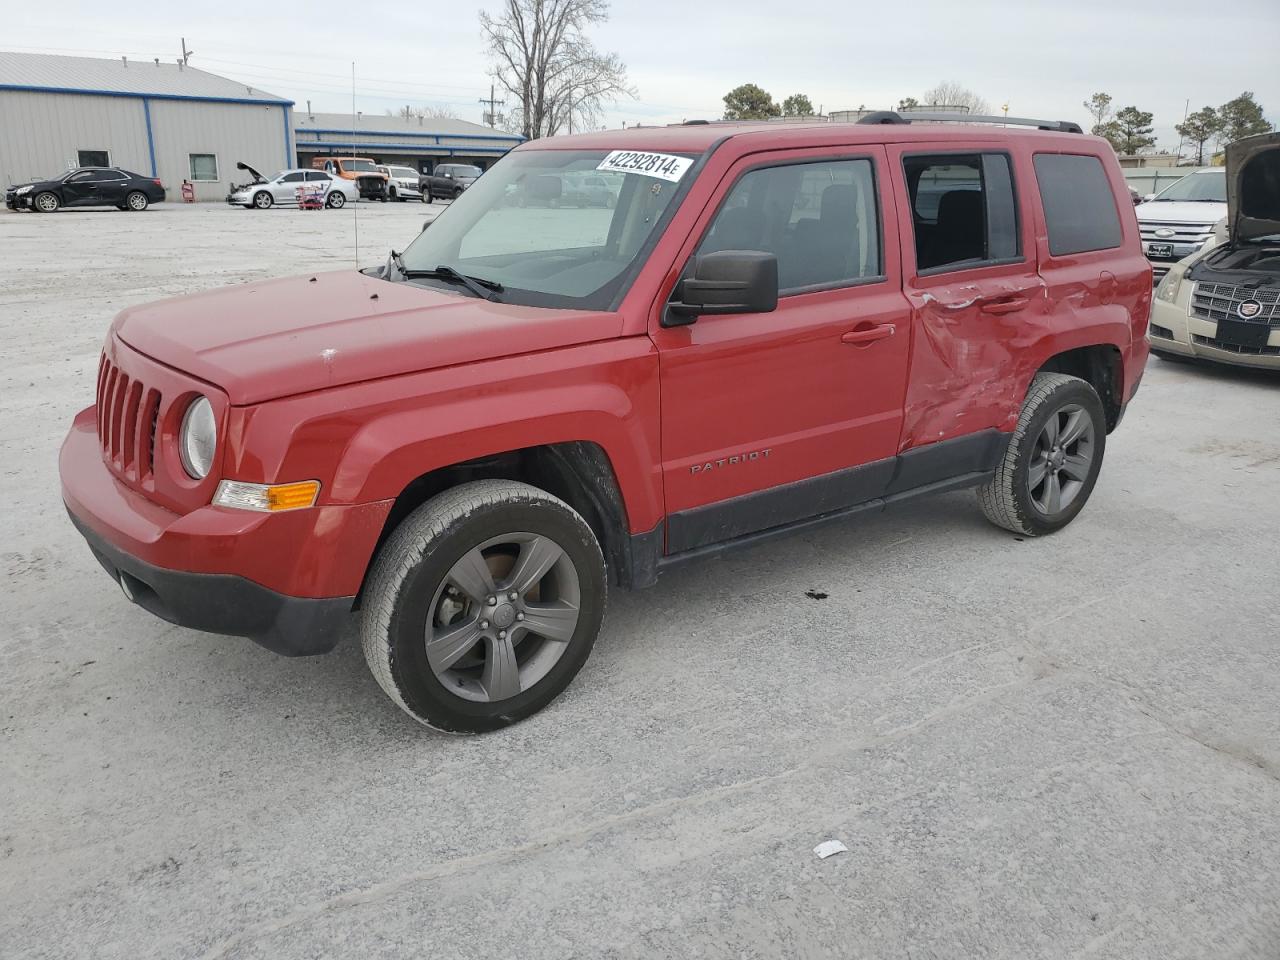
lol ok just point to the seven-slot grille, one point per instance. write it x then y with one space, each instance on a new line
128 411
1221 301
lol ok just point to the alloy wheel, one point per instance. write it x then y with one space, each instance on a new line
503 617
1062 459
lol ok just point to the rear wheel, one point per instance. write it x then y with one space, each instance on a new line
483 605
262 200
46 202
136 201
1053 458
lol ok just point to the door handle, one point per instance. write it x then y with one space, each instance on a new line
1004 305
870 334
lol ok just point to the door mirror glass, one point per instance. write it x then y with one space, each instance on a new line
728 281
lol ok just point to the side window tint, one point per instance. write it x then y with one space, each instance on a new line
819 219
1079 209
1002 208
963 210
291 178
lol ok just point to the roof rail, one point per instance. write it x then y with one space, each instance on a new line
892 116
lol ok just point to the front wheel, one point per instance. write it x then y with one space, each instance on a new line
426 195
483 605
335 200
262 200
46 202
1053 458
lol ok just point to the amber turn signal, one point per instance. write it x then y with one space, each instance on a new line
267 498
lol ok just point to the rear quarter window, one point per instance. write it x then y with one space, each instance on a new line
1079 209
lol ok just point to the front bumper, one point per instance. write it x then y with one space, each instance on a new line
1174 330
224 603
287 581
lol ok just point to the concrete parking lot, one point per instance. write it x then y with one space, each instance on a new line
1032 749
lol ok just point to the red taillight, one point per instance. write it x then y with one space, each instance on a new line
157 183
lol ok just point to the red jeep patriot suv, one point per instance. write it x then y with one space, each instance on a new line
772 326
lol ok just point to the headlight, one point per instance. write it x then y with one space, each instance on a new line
198 438
1169 286
22 190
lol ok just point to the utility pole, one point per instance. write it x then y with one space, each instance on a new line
186 54
492 104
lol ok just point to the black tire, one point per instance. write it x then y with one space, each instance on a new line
391 193
137 201
262 200
1008 500
414 574
47 202
426 195
335 199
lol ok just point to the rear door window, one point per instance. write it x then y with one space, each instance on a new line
1079 208
964 210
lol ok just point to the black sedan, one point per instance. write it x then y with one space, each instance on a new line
87 187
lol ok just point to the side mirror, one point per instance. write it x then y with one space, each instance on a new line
727 281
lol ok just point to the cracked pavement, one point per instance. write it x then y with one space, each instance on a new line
1063 748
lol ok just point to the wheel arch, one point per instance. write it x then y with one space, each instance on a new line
1101 365
579 472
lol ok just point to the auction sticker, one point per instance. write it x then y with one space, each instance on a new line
663 165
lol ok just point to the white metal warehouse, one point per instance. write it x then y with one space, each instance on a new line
162 120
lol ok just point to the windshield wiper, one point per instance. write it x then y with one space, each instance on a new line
485 289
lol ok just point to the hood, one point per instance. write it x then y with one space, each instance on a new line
276 338
1181 211
257 177
1253 187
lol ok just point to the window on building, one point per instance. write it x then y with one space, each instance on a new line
204 166
963 210
93 158
1079 209
819 219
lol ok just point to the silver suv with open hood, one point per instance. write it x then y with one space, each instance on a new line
1223 303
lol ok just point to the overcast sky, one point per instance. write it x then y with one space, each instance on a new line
1042 58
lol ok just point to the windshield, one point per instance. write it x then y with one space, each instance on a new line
1198 186
464 171
403 172
359 166
524 225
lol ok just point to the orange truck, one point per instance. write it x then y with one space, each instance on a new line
371 182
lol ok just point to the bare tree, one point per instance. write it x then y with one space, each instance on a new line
951 94
408 112
1099 107
543 59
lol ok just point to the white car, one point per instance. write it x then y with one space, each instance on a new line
402 182
1179 220
287 186
1223 302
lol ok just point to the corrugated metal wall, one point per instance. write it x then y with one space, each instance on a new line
254 133
40 134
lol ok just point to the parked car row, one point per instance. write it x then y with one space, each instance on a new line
86 187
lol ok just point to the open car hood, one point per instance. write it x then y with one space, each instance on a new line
1253 187
257 177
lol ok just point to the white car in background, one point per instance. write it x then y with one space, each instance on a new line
284 188
1179 220
402 182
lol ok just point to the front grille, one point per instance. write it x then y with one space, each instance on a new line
1220 301
128 412
1236 348
1196 233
